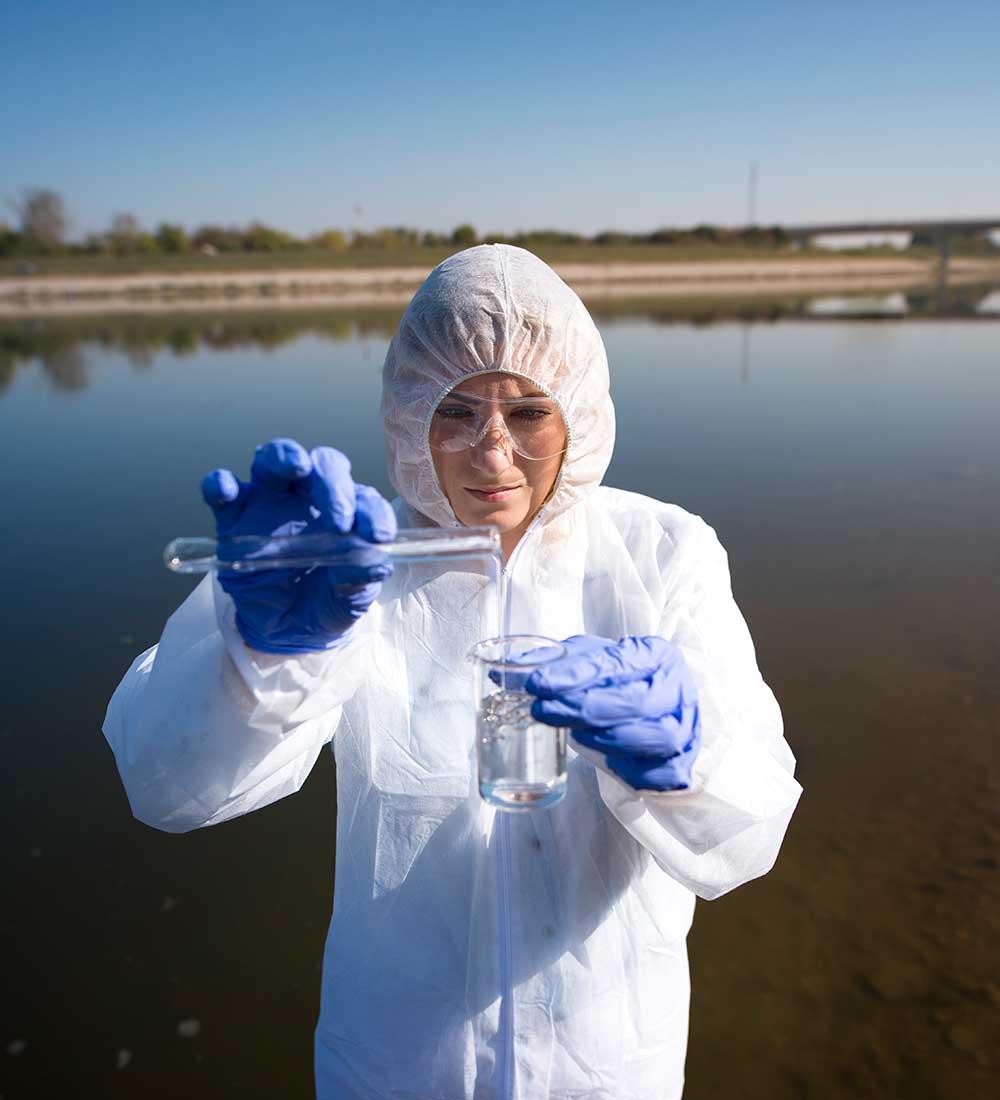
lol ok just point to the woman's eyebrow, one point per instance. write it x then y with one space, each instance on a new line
475 398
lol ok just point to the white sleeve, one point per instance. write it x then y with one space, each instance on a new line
204 729
727 828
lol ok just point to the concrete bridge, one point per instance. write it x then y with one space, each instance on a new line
940 231
935 229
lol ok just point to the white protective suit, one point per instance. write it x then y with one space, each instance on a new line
472 953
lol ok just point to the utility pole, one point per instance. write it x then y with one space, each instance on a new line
752 196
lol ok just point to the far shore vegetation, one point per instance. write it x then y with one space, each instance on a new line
39 244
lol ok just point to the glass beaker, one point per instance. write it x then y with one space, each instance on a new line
522 762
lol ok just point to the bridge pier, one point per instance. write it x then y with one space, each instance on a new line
944 258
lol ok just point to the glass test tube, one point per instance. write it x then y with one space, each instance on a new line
253 553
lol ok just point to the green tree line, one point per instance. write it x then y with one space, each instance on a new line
42 224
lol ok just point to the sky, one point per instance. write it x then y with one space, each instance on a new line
576 116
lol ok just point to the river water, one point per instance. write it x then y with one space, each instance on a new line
850 464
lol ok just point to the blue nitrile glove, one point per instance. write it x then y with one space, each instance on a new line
633 700
294 491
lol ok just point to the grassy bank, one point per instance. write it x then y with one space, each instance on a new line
324 259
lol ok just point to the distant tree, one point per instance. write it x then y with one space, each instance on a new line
42 217
464 236
402 236
171 238
332 240
392 237
538 238
126 236
612 237
706 232
125 225
263 238
762 236
433 240
94 244
221 238
663 236
10 240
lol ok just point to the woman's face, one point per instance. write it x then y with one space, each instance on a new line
490 482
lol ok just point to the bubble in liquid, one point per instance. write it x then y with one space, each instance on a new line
505 708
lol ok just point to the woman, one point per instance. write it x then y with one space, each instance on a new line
475 954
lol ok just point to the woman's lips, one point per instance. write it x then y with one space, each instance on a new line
493 494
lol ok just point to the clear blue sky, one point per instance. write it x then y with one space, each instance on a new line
518 115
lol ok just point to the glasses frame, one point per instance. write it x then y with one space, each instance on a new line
474 399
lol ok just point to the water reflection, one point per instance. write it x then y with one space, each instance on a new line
876 306
853 482
60 345
969 301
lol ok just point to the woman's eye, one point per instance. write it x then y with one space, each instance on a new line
532 414
453 412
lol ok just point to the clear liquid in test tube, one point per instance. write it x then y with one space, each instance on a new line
255 553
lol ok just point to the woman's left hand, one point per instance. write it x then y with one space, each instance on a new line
632 700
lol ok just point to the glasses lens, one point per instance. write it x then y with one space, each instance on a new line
537 430
533 425
455 425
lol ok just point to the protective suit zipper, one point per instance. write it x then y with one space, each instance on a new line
506 985
507 1066
503 871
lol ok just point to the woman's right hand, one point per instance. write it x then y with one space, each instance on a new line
292 491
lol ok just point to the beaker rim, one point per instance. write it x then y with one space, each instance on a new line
518 662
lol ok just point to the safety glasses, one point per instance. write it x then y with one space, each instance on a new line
531 426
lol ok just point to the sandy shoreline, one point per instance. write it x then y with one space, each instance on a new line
27 296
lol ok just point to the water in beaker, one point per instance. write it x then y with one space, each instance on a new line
522 762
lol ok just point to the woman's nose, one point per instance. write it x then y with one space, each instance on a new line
493 451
